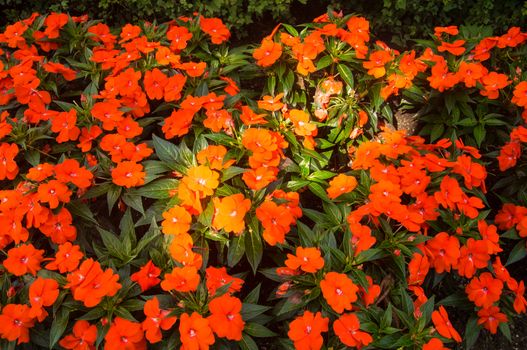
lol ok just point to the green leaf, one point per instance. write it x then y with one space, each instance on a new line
517 253
158 189
231 172
134 202
58 326
472 330
257 330
386 319
253 296
318 191
113 194
236 250
79 209
166 151
479 133
112 243
250 311
346 74
253 244
247 343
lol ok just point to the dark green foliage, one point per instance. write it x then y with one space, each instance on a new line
399 21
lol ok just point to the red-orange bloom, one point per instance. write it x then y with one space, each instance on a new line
347 328
217 277
42 292
456 48
8 166
181 279
147 276
128 174
484 290
83 337
177 221
443 326
156 320
53 192
268 53
215 28
418 269
23 259
195 332
491 317
201 179
306 259
473 256
339 291
229 213
125 335
341 184
443 251
225 319
89 283
306 331
66 259
275 220
15 323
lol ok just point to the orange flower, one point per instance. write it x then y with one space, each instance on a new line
195 332
339 291
214 157
155 82
225 319
177 221
194 69
15 323
258 178
156 320
377 62
443 326
215 28
443 251
268 52
54 22
87 136
307 259
231 88
70 171
434 344
64 123
418 269
359 28
178 123
491 317
66 259
347 328
341 184
23 259
306 331
178 36
174 86
456 48
125 335
451 30
484 290
509 155
249 117
8 166
181 279
275 220
42 292
217 277
201 179
128 174
53 192
371 293
229 213
89 283
147 276
181 251
470 73
83 337
492 83
520 94
270 103
473 256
